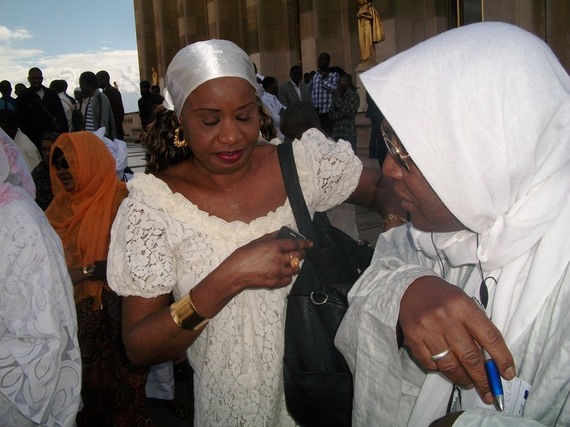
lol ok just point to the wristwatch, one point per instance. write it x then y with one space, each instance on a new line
89 270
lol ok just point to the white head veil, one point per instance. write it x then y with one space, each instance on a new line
484 112
15 179
202 61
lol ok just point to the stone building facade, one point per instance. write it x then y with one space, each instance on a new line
280 33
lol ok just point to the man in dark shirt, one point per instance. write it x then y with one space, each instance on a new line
146 106
19 89
116 100
6 101
39 109
343 110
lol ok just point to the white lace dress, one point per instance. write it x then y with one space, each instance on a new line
161 242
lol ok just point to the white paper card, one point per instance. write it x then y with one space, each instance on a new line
515 393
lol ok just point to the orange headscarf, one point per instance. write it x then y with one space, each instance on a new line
83 217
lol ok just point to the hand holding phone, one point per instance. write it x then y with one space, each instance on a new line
288 233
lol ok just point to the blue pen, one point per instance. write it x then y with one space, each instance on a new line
493 375
494 381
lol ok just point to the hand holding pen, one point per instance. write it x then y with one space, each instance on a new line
493 374
437 317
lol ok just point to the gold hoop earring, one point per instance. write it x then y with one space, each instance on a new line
179 141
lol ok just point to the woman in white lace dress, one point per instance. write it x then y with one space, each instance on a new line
203 229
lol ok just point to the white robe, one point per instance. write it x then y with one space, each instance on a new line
387 381
275 107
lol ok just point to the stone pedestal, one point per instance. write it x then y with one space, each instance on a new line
362 67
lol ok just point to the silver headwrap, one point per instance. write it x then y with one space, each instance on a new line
202 61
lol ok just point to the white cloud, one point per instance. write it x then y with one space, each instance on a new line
7 34
122 65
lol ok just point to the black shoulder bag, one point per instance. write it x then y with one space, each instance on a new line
318 382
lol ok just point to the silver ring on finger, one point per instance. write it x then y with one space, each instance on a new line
439 356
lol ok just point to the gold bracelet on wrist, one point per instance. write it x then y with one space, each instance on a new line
185 315
392 217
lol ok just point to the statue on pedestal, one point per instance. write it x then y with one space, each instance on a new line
370 31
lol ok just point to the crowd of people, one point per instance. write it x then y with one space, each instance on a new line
471 272
39 114
329 91
39 109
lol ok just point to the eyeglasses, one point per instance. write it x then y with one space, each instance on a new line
397 151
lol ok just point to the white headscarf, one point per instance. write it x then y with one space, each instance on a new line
15 179
484 112
202 61
118 149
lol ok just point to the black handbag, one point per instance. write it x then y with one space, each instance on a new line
318 382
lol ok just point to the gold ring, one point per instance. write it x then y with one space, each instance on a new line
294 262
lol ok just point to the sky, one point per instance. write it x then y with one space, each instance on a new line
67 37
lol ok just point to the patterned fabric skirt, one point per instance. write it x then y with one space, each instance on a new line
113 390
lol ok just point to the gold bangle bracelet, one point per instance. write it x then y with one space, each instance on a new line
185 315
392 217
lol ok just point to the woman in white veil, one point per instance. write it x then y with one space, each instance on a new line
479 119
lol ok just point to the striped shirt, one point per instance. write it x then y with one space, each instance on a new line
89 124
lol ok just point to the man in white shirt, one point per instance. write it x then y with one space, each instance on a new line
272 103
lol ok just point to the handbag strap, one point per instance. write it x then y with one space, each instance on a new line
294 192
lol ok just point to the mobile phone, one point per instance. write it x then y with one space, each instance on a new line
288 233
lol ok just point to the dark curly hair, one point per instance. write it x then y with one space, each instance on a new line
266 126
161 152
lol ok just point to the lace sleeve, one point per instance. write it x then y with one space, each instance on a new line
328 171
140 261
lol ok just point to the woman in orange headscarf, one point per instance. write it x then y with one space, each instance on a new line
87 194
